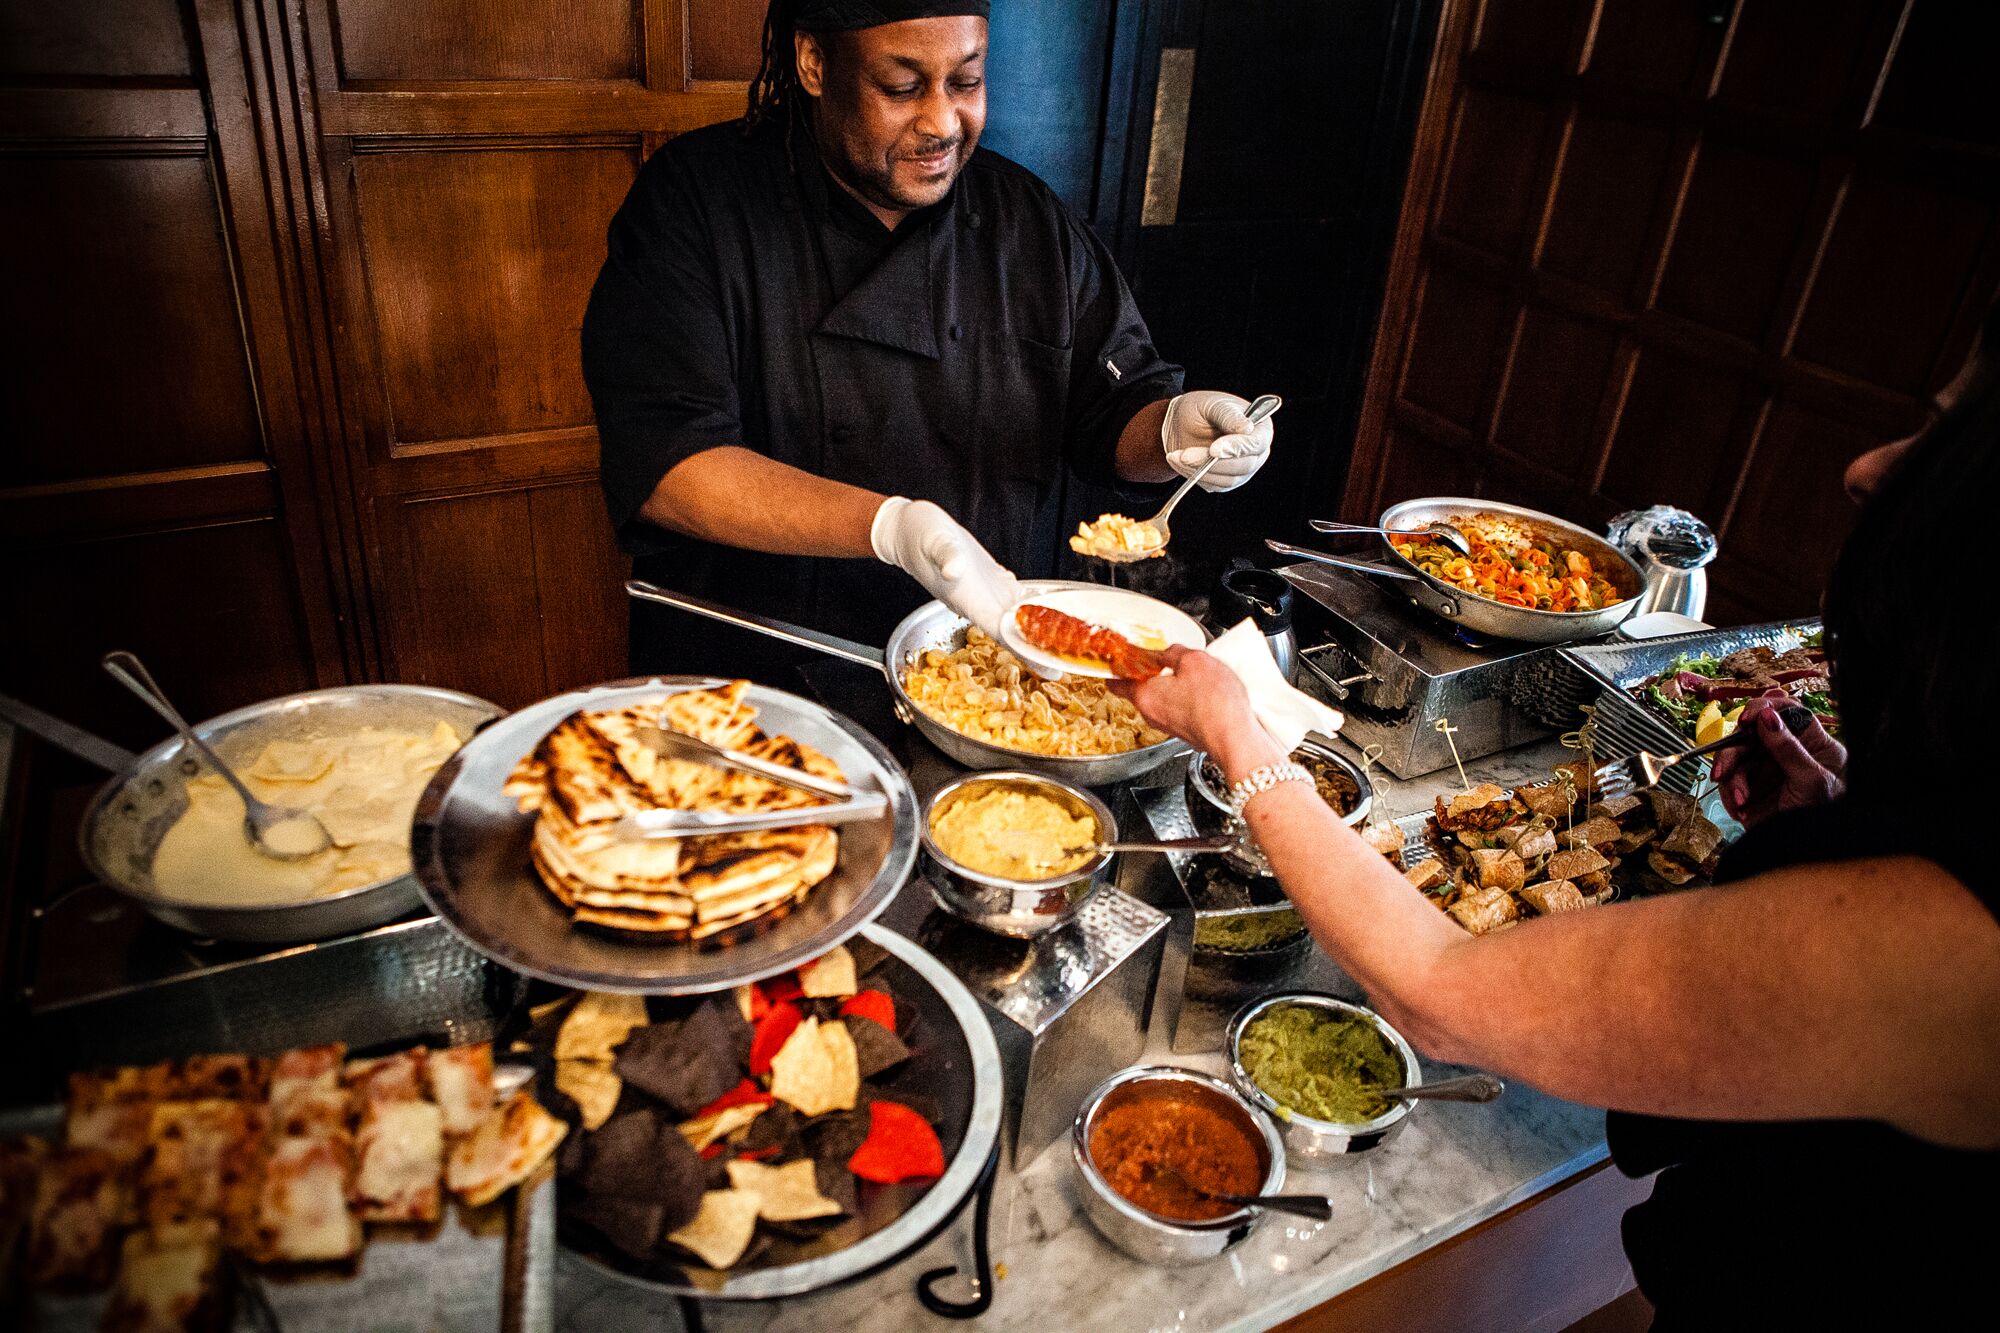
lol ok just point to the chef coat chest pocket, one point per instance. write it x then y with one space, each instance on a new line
1022 405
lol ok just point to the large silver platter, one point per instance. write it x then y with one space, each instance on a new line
957 1066
470 845
131 813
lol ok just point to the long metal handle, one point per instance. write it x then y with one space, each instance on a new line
1796 717
130 672
1321 557
676 745
64 736
1220 842
831 644
703 823
1315 1206
1465 1088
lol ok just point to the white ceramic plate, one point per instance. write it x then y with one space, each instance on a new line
1146 621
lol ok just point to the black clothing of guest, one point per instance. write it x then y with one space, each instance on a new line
1824 1224
984 355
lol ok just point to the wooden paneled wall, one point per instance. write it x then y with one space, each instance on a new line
1691 252
299 401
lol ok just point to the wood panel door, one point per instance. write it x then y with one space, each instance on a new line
1695 252
472 153
156 485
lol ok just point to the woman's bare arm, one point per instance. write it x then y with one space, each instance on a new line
1862 989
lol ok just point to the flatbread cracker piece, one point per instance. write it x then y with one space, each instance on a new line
830 976
598 1024
788 1193
507 1146
721 1231
817 1070
593 1086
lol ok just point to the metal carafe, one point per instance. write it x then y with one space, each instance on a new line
1266 598
1671 547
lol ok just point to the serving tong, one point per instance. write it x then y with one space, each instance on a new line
1639 772
847 805
1443 532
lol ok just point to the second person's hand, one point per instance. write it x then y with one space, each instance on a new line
1203 702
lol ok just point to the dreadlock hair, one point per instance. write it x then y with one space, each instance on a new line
775 94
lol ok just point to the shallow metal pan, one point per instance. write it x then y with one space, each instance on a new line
955 1064
470 845
933 625
1482 614
131 813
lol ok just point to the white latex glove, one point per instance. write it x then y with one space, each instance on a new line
934 549
1205 423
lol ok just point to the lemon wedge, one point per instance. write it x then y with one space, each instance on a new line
1714 724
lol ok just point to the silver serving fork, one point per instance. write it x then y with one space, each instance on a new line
1639 772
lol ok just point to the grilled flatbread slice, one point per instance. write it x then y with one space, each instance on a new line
584 775
721 716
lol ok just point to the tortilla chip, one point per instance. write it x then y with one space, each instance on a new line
721 1229
641 1155
592 1086
598 1024
632 1225
830 976
689 1064
901 1145
788 1193
875 1047
706 1130
818 1069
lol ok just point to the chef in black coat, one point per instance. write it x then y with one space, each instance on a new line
836 335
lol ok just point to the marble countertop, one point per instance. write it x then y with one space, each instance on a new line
1454 1167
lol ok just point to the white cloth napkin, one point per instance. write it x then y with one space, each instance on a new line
1287 713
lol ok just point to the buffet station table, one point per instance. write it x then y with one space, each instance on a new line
622 1041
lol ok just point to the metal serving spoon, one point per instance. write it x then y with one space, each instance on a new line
1465 1088
279 832
1256 412
1213 842
1444 532
1303 1205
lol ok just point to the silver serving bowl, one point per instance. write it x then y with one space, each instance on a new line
132 812
1015 907
1208 804
1310 1141
1147 1236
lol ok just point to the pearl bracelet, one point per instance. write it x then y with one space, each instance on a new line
1261 780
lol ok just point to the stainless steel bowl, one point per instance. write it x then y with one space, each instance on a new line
1149 1237
1208 804
1307 1140
1015 907
132 812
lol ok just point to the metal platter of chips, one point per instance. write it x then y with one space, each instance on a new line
941 1056
471 845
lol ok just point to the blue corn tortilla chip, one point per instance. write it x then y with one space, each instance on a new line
642 1155
875 1047
688 1064
634 1226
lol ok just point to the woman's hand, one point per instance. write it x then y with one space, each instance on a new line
1778 771
1204 704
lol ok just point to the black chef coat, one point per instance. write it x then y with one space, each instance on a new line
985 355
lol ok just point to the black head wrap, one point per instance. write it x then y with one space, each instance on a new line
848 15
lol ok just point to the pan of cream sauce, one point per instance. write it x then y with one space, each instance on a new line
169 832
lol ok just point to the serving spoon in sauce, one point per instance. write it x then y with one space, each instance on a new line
1314 1206
279 832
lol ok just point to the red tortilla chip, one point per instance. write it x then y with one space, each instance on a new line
781 988
901 1145
773 1030
873 1004
745 1093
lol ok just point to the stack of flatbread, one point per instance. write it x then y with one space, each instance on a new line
593 770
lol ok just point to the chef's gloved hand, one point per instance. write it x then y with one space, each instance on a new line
1205 423
934 549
